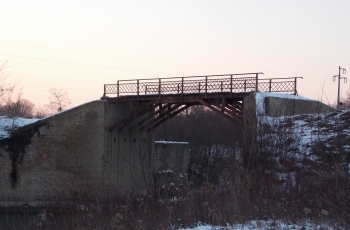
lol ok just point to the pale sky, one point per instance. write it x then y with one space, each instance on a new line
79 46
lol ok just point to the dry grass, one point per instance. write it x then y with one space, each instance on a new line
270 188
242 197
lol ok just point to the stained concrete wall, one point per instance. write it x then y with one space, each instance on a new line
276 107
129 151
170 162
172 156
74 149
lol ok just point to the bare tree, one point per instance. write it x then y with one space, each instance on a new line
7 89
59 100
9 105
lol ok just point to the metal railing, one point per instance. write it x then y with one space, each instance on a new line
229 83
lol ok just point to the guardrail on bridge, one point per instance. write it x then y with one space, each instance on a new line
230 83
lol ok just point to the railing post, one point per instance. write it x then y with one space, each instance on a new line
206 85
245 85
270 85
117 88
231 85
221 86
295 86
159 87
138 87
256 82
182 85
104 90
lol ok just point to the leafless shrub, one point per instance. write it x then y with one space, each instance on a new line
18 108
41 112
346 100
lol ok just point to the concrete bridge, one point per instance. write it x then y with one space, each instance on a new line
108 145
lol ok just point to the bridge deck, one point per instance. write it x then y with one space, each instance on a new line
164 98
203 85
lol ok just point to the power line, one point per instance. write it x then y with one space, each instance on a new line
113 56
118 57
83 64
110 56
50 86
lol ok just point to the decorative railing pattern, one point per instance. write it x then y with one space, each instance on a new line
229 83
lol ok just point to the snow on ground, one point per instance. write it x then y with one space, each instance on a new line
7 124
263 225
305 130
171 142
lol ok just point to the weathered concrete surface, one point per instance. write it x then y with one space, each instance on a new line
73 150
172 156
277 107
257 105
170 162
67 149
129 151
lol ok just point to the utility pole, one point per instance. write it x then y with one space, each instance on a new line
345 80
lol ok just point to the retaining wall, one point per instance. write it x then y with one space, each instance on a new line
67 149
277 106
72 151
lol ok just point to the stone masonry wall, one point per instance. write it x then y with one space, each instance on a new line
68 153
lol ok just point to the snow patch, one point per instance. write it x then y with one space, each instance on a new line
263 224
171 142
8 124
